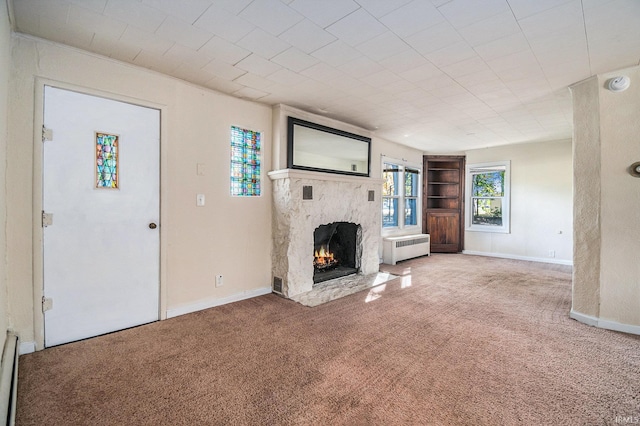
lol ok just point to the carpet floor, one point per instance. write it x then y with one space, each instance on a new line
455 340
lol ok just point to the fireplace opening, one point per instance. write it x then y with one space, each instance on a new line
337 250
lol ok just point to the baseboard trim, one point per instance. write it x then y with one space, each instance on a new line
27 348
211 303
585 319
606 324
517 257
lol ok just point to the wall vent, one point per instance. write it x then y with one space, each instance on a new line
277 285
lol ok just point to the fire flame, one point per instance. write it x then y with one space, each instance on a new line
323 257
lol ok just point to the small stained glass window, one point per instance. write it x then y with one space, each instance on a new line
107 173
245 162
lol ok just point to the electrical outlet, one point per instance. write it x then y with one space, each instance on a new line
219 281
552 253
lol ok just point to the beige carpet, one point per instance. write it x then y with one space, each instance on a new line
455 340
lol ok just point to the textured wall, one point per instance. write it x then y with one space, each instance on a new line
5 60
620 200
606 281
586 197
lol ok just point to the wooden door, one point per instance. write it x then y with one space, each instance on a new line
444 228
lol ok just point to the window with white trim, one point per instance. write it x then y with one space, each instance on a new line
401 195
488 197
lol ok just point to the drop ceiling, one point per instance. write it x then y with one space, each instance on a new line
437 75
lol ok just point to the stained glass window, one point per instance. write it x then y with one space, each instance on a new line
245 162
107 173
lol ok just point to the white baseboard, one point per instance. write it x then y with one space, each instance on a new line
517 257
210 303
26 348
606 324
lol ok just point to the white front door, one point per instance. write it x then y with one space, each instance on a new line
101 250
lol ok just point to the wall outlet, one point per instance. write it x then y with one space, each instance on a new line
552 253
219 281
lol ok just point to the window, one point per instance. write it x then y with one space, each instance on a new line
400 195
245 162
487 188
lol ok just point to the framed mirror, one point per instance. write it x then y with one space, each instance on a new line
324 149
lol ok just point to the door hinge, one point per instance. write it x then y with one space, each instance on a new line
47 219
47 134
47 304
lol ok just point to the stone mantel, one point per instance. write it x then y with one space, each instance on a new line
335 198
334 177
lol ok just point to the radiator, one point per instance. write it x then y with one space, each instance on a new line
405 247
9 380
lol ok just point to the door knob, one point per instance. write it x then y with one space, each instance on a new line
152 225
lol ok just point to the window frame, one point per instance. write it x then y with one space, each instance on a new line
477 168
402 227
244 163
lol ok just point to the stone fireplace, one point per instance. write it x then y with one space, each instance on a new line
312 206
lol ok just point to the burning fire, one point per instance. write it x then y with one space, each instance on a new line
323 258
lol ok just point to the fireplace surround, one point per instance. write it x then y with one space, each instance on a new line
305 200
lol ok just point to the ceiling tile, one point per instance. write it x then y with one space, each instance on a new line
250 93
188 11
95 5
336 53
356 28
412 18
382 46
307 36
135 13
183 33
422 72
323 72
490 29
272 16
472 65
379 8
223 85
451 54
262 43
325 12
219 48
254 81
404 61
258 65
360 67
523 8
285 76
184 54
82 18
503 47
561 21
223 70
147 41
461 13
435 38
294 59
224 24
232 6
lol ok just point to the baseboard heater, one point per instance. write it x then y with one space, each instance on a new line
395 249
9 380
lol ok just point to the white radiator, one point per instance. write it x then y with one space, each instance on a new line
405 247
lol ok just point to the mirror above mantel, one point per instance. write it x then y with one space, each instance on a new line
320 148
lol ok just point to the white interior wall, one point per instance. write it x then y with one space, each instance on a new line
5 60
228 236
541 203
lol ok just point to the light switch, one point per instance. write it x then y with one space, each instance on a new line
200 169
200 200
